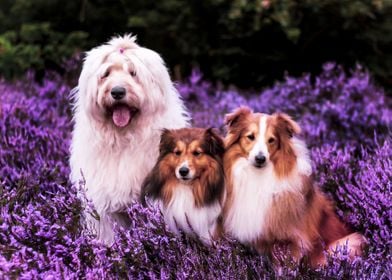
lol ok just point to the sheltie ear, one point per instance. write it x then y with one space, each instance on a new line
211 184
152 185
234 125
213 143
287 125
167 143
233 118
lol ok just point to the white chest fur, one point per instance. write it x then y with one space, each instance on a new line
113 167
181 213
115 180
252 196
253 192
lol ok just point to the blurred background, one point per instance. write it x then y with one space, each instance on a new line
246 43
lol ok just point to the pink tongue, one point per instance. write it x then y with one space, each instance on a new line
121 116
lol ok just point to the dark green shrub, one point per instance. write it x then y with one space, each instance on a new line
37 46
248 43
252 42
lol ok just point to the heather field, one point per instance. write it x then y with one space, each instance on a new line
346 121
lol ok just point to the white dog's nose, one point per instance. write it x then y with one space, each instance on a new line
118 93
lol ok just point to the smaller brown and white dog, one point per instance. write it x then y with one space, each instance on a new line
188 181
271 202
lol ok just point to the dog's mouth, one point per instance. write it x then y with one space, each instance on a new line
259 165
122 114
185 179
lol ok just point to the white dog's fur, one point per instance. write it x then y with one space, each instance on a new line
113 151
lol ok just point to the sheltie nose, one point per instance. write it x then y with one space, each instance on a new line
184 171
260 159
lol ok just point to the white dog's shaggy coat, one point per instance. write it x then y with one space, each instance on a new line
115 139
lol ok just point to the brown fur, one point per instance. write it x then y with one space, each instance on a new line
203 149
237 122
281 128
302 222
230 156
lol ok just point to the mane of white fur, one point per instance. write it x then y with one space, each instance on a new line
114 162
254 190
182 213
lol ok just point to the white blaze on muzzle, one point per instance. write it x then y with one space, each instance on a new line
260 148
183 172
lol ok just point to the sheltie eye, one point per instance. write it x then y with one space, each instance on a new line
251 137
133 73
271 140
177 152
196 153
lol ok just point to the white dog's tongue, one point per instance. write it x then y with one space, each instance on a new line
121 115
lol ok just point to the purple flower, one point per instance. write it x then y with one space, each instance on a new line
346 122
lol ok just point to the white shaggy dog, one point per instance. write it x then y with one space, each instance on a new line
123 101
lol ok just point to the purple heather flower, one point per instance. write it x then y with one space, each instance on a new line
346 121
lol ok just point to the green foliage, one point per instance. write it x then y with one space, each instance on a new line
37 46
252 42
248 43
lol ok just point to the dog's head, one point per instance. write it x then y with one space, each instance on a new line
121 81
188 156
262 139
189 152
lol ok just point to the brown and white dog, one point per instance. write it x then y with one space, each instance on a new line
188 181
271 201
